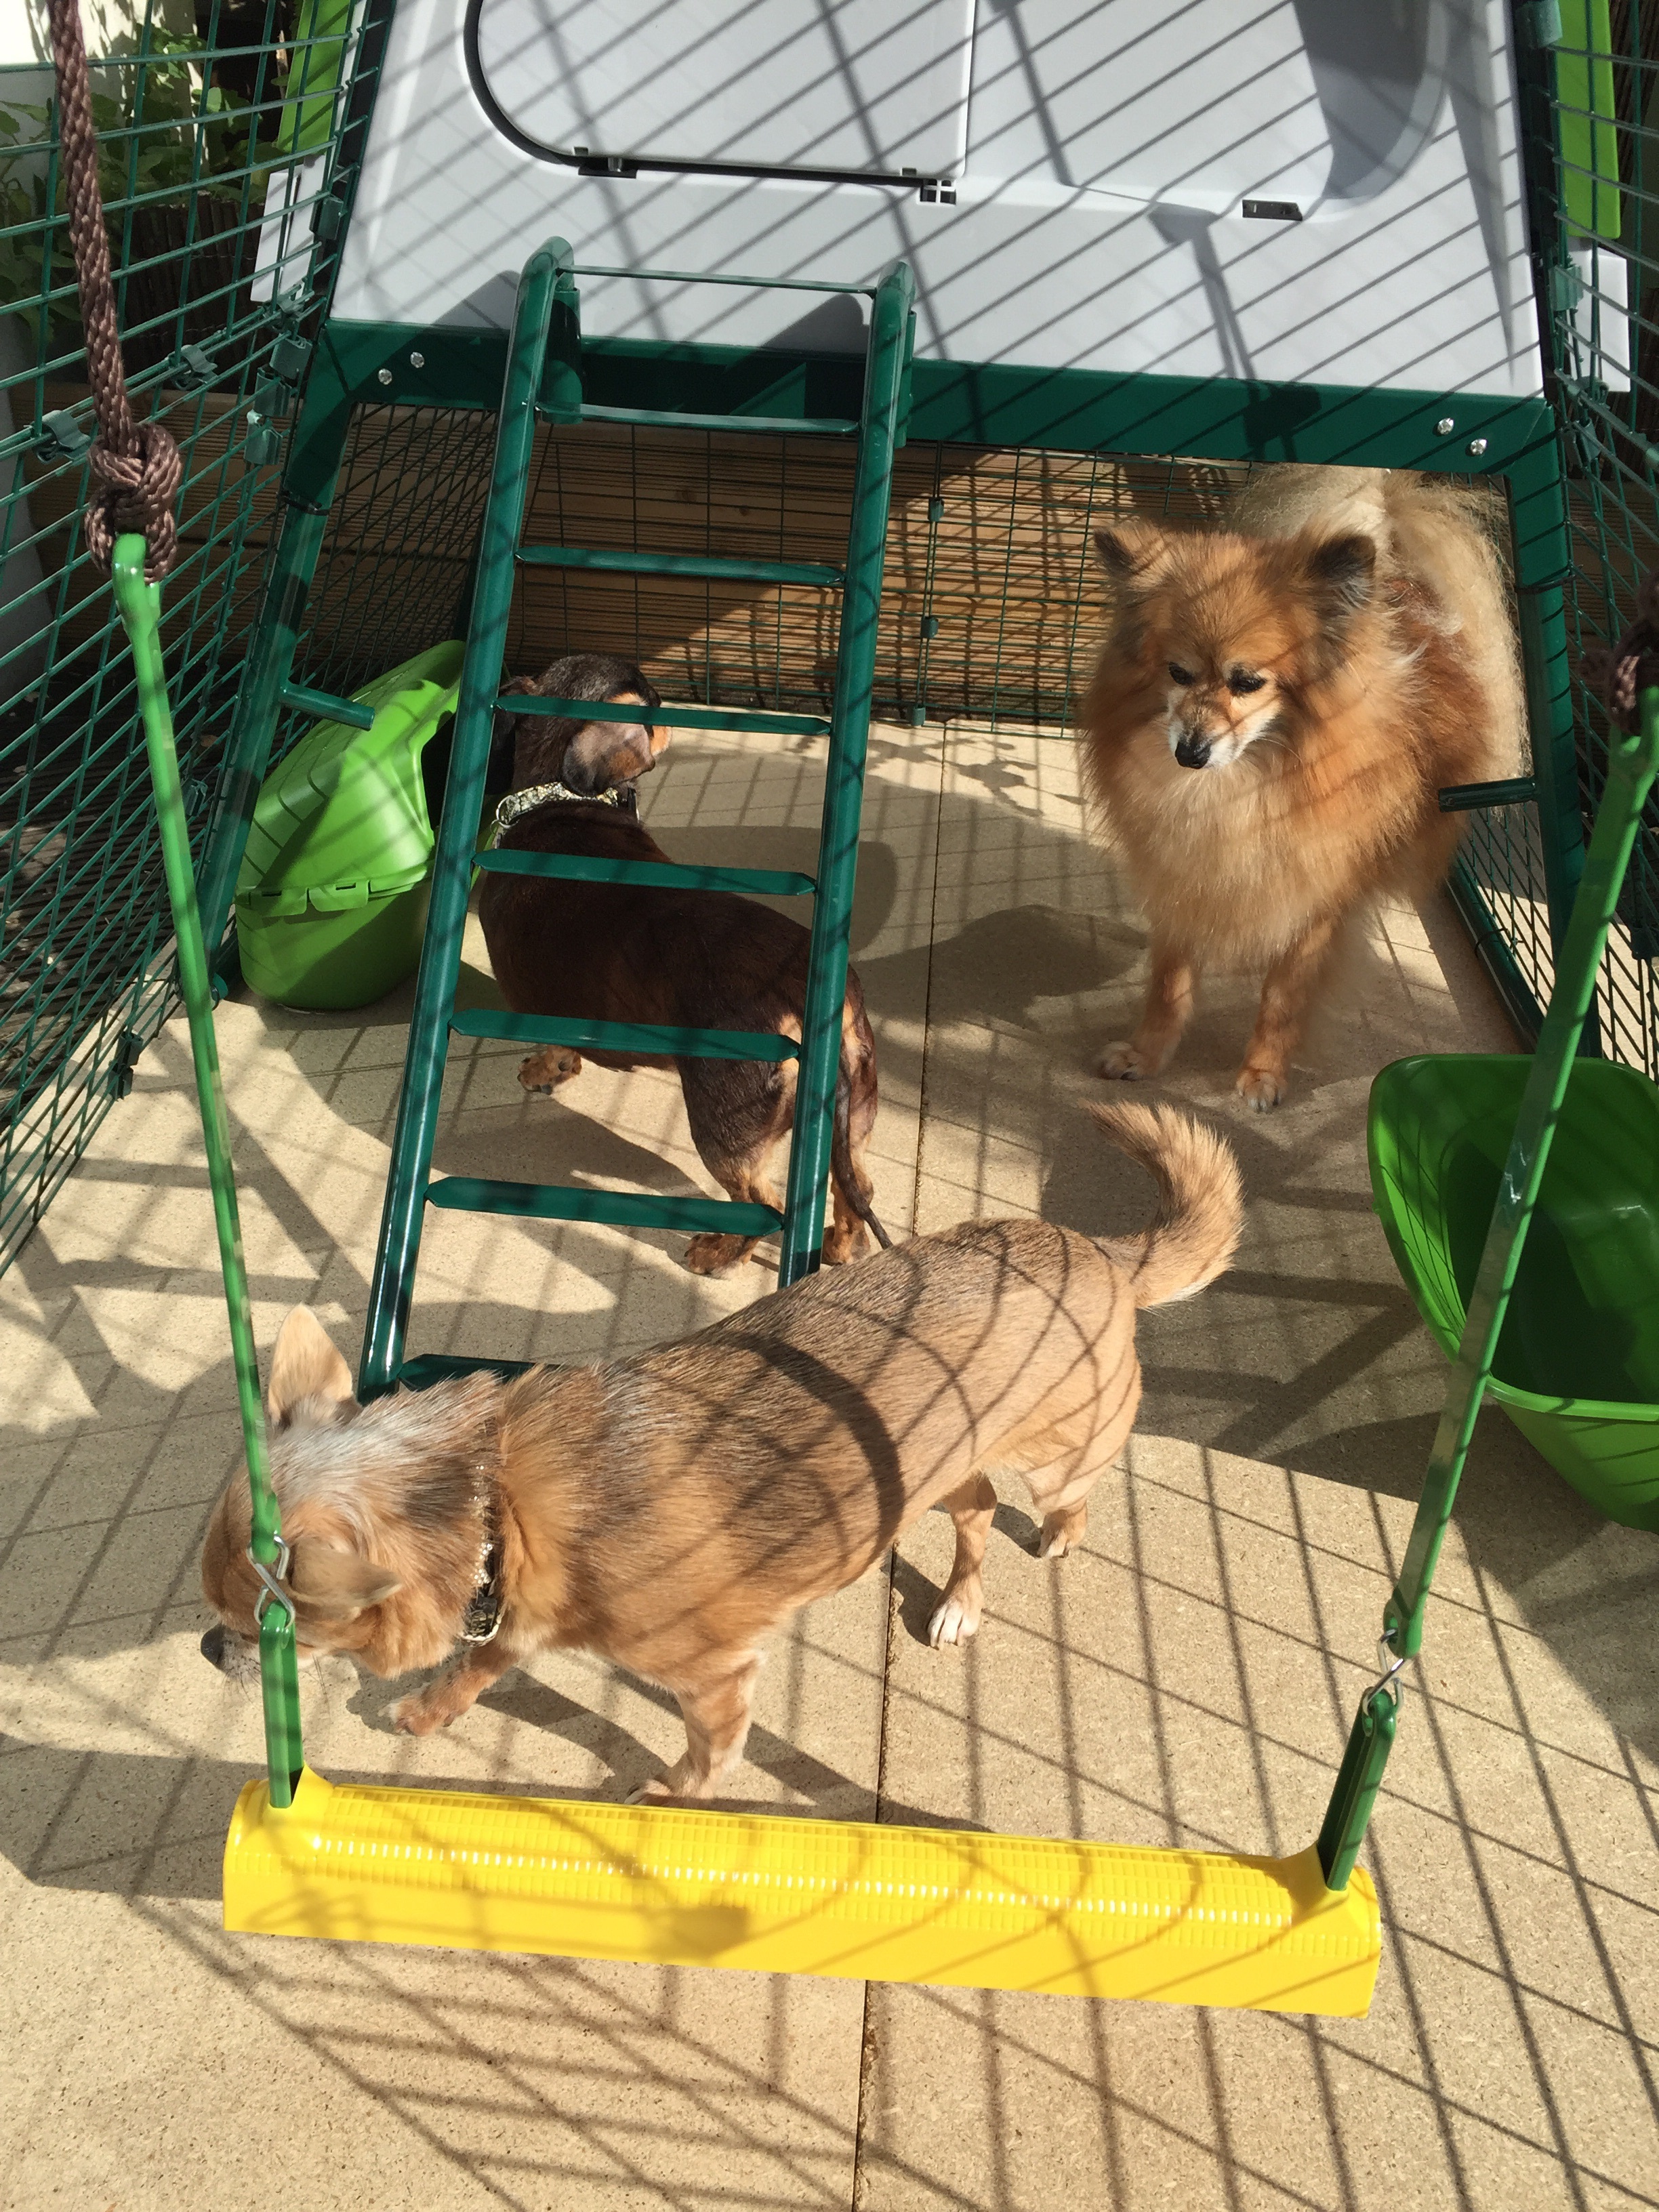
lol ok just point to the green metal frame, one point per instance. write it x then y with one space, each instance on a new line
1590 125
545 335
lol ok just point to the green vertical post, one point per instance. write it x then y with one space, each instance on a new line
884 386
1548 669
308 491
560 398
1631 766
140 606
1543 559
545 280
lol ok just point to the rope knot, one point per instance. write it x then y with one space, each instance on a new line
137 492
137 464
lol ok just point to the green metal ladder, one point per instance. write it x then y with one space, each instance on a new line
544 382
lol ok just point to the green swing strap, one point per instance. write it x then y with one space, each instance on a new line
1632 761
131 535
140 606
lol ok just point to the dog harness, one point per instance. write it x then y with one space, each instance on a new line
518 804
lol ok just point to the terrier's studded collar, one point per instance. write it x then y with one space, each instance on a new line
483 1615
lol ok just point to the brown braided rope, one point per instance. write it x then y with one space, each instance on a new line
136 465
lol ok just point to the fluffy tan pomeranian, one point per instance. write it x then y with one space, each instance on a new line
1277 709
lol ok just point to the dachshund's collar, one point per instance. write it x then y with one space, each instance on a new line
518 804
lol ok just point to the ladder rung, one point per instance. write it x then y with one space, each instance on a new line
446 1367
713 567
325 707
803 426
617 1209
666 875
672 718
645 1039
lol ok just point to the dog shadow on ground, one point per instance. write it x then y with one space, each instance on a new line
629 1764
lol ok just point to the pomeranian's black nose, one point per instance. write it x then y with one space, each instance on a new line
213 1646
1193 750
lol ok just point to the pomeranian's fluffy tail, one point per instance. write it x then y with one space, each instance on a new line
1442 535
1195 1230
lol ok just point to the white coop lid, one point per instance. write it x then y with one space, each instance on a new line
857 85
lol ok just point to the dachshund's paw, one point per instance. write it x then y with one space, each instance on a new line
717 1256
841 1247
545 1071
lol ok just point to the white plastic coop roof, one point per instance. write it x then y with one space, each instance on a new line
1101 152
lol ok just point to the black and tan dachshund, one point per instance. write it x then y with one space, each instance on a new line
687 959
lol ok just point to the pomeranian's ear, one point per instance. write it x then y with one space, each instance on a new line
305 1364
1132 552
1343 572
334 1584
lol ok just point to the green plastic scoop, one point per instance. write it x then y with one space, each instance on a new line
1577 1367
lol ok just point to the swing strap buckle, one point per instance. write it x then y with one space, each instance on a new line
1390 1662
272 1576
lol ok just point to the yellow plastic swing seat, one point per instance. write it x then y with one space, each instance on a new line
660 1884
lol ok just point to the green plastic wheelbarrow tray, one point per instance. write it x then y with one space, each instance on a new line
1577 1367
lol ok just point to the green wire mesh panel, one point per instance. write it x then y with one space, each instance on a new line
1592 158
991 609
228 148
395 573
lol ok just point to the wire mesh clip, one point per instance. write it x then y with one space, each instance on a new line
272 399
264 442
272 1576
290 357
61 438
126 1059
194 370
